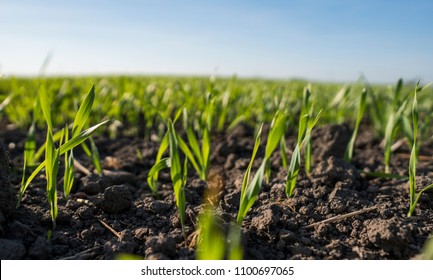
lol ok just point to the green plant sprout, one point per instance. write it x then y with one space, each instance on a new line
211 243
390 133
78 136
348 155
161 163
413 196
275 137
306 125
178 176
198 156
250 190
68 177
51 159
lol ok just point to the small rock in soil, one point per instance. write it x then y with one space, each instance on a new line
115 199
330 140
11 250
41 249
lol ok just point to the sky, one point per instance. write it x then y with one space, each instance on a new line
333 40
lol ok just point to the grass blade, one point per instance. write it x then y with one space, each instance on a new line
249 190
95 156
185 149
211 242
413 158
80 138
292 175
275 134
45 106
251 193
348 155
152 177
161 150
235 250
193 142
52 167
68 178
205 148
283 151
83 112
176 174
30 147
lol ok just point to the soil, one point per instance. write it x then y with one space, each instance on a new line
115 212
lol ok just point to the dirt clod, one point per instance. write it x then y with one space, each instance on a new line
115 199
392 236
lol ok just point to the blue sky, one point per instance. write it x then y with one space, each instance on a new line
332 40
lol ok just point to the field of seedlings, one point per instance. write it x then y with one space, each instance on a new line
214 168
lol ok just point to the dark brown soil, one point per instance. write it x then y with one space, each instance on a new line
116 212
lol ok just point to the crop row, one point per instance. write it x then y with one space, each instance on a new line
170 109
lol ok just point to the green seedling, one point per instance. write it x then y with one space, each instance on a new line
152 177
250 190
413 196
390 133
275 138
348 155
211 243
79 122
283 153
198 156
235 250
178 176
306 125
396 121
51 169
68 177
163 163
72 143
307 109
51 159
93 154
78 137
